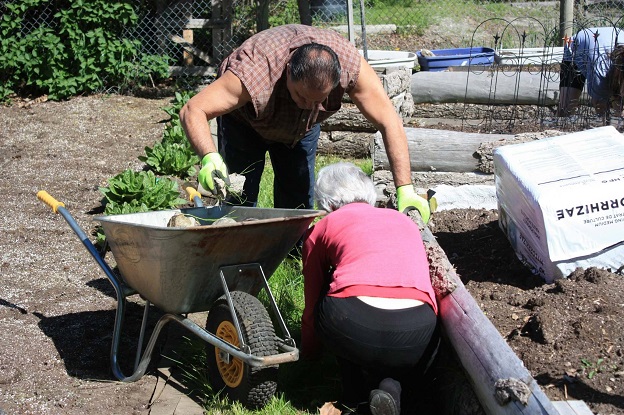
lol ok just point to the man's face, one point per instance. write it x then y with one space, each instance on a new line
306 98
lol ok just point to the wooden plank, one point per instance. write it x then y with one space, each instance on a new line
187 406
572 408
221 39
163 401
441 150
191 49
187 35
483 353
193 71
206 24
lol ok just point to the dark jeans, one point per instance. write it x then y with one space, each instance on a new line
372 344
570 76
244 153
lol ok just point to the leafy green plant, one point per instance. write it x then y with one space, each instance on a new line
141 191
172 158
81 50
173 130
173 155
592 368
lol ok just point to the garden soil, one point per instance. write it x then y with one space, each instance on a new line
57 308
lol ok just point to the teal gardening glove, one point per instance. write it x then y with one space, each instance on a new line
212 166
407 199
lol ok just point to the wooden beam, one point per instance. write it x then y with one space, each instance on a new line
222 38
191 49
437 150
483 353
262 15
572 408
305 16
193 71
206 24
187 35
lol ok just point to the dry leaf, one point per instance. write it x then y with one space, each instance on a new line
329 409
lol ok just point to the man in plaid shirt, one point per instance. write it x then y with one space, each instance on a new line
271 94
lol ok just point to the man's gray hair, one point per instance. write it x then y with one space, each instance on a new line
342 183
316 65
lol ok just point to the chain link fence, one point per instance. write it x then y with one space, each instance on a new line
196 35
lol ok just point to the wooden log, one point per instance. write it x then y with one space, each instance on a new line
487 87
441 150
345 144
348 118
483 353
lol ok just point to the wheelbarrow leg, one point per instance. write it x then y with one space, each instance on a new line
147 355
141 334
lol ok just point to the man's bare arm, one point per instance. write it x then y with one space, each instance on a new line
220 97
375 105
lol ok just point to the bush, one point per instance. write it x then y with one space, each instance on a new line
82 51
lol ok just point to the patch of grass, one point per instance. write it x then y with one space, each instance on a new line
416 17
265 197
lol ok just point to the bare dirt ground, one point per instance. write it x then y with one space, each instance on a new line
57 308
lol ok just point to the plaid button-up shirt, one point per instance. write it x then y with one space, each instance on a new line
260 63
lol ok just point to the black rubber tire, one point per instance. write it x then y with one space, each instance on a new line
257 385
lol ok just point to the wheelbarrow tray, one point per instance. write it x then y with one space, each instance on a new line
177 269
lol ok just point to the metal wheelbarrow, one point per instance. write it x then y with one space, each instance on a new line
219 269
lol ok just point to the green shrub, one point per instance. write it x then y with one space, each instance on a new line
81 51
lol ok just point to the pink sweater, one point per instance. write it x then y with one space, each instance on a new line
373 252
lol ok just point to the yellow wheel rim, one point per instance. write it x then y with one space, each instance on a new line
231 373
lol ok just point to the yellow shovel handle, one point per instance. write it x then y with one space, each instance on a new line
192 192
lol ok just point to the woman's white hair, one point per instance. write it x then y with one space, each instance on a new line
342 183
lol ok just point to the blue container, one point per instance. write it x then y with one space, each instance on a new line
455 57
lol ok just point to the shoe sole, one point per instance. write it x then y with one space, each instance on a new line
382 403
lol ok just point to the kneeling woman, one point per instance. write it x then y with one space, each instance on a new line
368 295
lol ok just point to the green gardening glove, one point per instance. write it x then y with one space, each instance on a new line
213 166
407 199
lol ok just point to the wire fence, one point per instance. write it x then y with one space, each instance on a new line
197 34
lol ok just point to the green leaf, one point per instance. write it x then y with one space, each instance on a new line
141 191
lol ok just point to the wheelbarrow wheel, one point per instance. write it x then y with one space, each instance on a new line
252 386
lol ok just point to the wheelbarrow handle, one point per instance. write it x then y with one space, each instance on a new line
46 198
121 289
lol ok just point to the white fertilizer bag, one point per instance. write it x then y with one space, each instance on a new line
561 201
